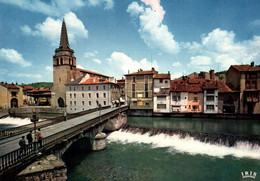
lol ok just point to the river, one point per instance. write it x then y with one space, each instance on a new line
135 156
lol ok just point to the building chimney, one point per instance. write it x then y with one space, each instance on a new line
168 72
153 69
211 73
252 64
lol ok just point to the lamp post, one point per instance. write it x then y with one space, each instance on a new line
99 107
35 143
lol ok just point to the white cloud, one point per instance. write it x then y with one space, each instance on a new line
121 63
54 8
176 64
51 28
81 67
49 68
109 4
90 54
11 55
219 48
255 22
200 60
97 61
155 4
154 33
176 75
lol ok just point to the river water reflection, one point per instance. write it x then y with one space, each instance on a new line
243 127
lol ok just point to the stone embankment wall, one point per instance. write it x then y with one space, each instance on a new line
48 168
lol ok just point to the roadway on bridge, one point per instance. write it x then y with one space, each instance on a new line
10 144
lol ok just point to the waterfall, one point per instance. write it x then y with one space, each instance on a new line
216 145
15 121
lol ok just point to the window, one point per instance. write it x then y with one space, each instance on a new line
195 107
13 94
253 85
83 103
71 103
70 95
104 94
96 87
161 106
133 87
146 87
133 79
82 88
88 87
74 88
89 95
89 103
75 103
161 80
161 98
135 103
210 107
210 98
97 95
105 103
104 87
176 97
133 94
195 99
74 95
70 88
166 82
82 95
210 91
146 94
147 104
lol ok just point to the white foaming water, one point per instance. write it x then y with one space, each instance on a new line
188 144
16 121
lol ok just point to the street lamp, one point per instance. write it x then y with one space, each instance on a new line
35 143
99 107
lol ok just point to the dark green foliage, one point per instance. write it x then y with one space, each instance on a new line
38 85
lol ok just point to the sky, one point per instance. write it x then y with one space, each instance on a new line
114 37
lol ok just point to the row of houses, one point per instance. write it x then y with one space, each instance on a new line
149 91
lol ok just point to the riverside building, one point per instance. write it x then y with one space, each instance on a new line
88 92
246 80
161 93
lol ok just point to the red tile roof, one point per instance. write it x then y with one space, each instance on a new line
90 72
9 86
93 80
197 85
25 87
245 68
162 76
41 90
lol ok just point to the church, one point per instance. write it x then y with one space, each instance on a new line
66 71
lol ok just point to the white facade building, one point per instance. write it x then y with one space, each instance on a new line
161 93
179 101
86 93
210 99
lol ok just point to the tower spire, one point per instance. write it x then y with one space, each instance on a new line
64 42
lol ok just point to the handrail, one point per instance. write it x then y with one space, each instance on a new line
12 159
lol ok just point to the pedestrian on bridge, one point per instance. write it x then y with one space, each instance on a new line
22 145
29 138
39 137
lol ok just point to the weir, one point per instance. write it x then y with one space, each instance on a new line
214 138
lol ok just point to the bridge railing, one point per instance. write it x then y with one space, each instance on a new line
12 159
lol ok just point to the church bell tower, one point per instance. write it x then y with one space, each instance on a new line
64 64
